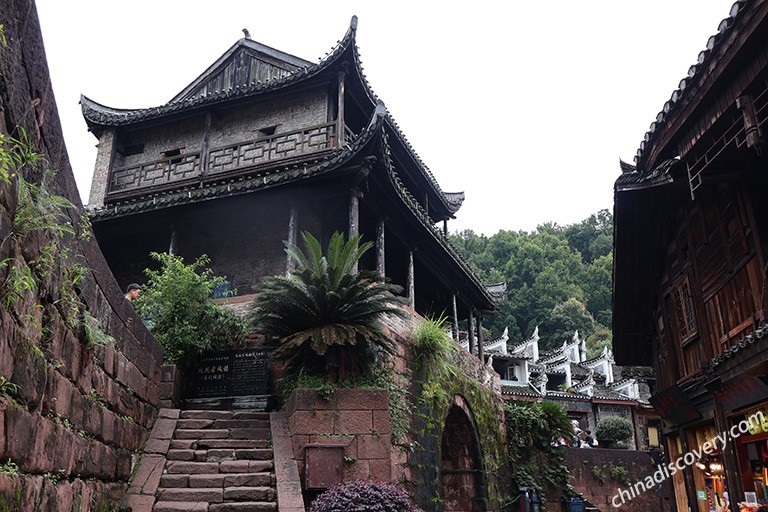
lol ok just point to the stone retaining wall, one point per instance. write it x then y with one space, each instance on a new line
599 473
356 419
72 412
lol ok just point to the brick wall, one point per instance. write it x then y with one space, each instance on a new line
77 412
596 474
357 419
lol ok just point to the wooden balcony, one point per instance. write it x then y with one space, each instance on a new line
218 162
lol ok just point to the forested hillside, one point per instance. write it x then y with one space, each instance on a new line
558 277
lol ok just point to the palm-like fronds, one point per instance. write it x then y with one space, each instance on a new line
324 318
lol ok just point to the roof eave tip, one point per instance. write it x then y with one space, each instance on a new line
353 23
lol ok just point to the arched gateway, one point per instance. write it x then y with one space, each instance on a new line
461 471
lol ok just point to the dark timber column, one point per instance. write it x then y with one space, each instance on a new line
205 146
340 114
455 320
290 264
471 333
380 262
411 289
354 217
480 350
445 227
172 244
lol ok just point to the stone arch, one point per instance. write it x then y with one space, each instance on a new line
462 479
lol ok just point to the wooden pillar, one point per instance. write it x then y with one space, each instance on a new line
455 320
172 244
411 288
354 218
354 214
445 227
730 462
480 349
290 264
380 261
340 109
206 145
471 333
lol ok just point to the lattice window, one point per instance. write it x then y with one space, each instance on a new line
683 301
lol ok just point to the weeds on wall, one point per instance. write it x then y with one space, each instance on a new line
41 278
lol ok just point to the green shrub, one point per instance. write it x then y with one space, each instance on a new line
612 430
177 304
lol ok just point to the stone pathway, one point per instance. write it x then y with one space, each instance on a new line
211 461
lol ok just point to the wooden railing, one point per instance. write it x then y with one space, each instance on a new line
224 159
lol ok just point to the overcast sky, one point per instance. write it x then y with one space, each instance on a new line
526 106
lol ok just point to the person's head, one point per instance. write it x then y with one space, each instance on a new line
132 292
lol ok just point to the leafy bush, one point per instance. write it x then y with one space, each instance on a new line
177 303
323 319
363 496
531 429
612 430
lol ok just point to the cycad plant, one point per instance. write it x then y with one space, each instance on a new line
323 319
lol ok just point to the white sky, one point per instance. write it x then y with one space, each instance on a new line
526 106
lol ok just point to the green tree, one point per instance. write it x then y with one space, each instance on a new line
563 320
613 431
323 319
598 283
592 237
600 338
183 317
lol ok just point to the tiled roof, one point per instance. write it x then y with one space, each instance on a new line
633 179
520 391
694 73
97 115
760 334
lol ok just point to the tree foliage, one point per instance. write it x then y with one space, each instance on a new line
181 313
537 460
324 318
559 278
613 430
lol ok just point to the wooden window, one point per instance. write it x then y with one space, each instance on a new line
683 302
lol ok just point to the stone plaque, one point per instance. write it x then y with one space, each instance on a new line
226 373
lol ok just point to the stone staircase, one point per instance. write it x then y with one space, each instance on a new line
218 461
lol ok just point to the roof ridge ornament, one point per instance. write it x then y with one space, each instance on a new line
246 34
353 22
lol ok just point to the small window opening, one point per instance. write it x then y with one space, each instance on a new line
173 154
135 149
267 131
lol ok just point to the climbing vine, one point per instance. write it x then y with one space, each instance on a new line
439 374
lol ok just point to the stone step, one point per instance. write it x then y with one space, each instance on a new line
207 444
220 454
218 480
187 494
180 506
195 415
219 433
214 414
222 433
241 423
249 494
244 506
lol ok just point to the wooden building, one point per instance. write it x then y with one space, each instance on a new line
261 146
691 247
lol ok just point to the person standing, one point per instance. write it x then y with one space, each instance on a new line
132 292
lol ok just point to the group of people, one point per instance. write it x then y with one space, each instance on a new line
580 439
